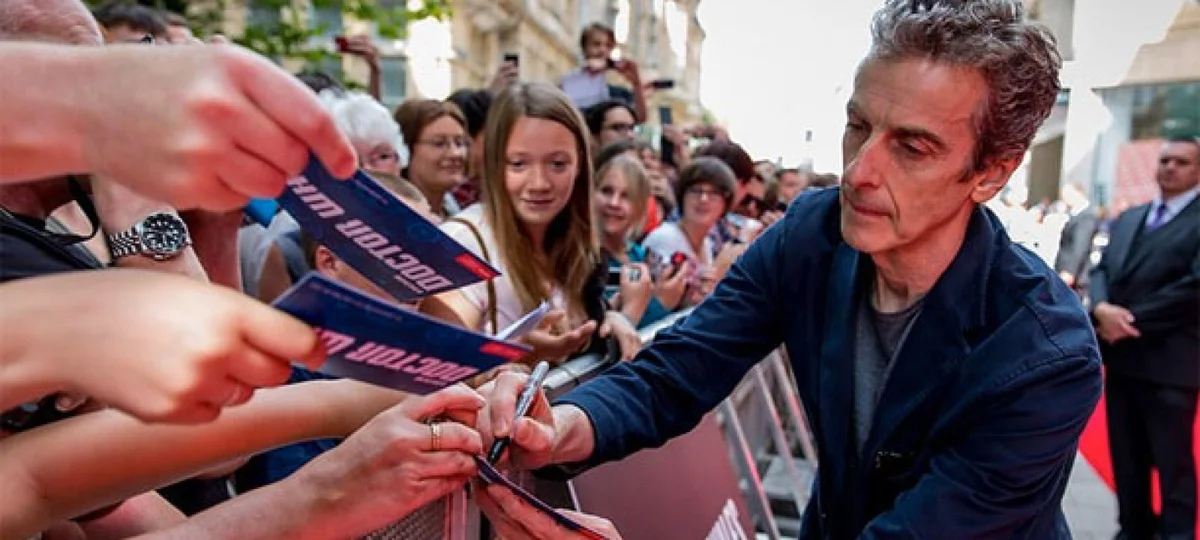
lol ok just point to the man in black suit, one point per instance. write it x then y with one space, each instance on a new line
1075 243
1146 293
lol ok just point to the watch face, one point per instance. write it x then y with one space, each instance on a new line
164 234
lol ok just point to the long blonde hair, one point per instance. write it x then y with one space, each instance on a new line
570 245
637 184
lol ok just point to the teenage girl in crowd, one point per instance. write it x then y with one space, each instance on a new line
535 225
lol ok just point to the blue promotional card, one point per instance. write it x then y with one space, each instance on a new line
380 343
389 243
490 475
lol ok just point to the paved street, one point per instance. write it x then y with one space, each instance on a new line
1089 504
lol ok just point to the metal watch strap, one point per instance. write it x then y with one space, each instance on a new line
125 243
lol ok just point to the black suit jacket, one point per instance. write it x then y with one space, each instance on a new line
1075 245
1156 276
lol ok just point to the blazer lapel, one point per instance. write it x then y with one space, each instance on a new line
1121 241
836 389
1161 236
936 344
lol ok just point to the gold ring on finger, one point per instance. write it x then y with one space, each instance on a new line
435 437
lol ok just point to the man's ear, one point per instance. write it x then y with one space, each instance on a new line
993 178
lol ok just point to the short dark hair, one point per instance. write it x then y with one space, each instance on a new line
595 114
706 170
134 16
779 174
733 155
1018 59
474 105
596 27
173 19
1184 139
823 180
612 150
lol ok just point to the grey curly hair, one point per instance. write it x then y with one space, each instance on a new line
1017 58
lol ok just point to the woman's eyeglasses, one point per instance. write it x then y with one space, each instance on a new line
446 144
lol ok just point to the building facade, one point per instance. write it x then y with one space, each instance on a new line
437 57
666 38
1131 78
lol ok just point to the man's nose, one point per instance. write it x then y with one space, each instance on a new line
866 167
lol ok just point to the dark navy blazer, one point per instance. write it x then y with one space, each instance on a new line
977 428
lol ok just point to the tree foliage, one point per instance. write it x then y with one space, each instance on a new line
289 36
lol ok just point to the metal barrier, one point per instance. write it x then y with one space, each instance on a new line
576 371
758 437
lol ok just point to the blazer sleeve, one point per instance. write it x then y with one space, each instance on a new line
689 368
1003 472
1165 309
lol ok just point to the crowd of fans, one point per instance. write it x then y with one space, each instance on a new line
164 398
552 184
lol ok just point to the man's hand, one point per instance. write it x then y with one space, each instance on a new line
1114 323
532 436
515 519
158 346
202 126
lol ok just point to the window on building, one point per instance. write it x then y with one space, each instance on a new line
393 72
327 19
262 14
1166 110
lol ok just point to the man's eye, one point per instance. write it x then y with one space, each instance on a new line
912 150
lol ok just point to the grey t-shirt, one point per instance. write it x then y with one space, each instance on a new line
877 339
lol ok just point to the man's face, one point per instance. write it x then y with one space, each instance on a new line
750 198
765 169
908 154
598 45
1178 168
618 126
790 185
125 34
180 35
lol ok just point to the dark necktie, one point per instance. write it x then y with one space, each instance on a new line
1160 215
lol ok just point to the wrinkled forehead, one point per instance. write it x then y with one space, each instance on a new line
1188 152
52 21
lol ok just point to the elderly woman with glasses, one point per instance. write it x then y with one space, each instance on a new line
374 134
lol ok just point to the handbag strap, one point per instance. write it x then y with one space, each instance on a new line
490 282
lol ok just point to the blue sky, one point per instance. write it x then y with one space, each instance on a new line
772 69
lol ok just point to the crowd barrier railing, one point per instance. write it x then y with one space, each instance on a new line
763 425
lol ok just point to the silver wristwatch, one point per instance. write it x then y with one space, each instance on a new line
160 236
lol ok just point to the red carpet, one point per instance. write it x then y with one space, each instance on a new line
1094 446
